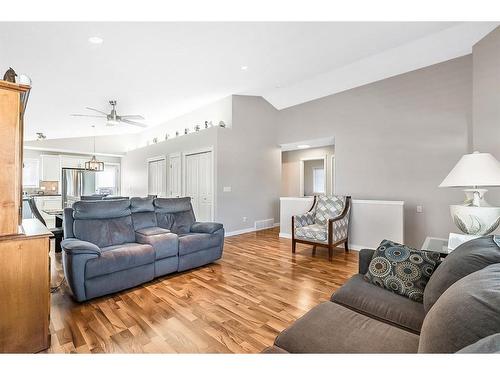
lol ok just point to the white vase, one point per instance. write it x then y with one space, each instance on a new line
472 220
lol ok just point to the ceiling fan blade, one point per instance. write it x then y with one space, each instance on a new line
135 117
79 115
134 123
97 110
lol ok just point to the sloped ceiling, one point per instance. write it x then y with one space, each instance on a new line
163 70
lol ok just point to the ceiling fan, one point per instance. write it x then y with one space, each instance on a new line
113 118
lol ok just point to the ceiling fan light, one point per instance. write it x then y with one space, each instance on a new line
112 122
94 165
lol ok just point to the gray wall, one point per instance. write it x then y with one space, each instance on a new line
290 168
486 100
249 160
396 139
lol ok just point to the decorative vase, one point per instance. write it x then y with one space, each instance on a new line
478 221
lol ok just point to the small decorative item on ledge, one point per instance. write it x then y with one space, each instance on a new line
177 134
206 124
166 136
10 76
197 128
222 124
210 124
40 136
155 140
186 130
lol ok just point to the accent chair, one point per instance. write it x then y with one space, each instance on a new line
325 224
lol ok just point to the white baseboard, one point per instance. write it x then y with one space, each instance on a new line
285 235
239 231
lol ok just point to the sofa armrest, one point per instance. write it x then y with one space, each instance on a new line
365 257
205 227
73 246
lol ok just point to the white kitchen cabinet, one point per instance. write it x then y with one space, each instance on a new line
51 168
73 162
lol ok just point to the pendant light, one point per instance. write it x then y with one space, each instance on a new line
93 164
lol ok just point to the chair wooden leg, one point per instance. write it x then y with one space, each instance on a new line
293 246
330 252
314 250
346 245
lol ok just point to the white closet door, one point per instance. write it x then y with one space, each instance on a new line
152 178
192 163
175 176
205 186
162 178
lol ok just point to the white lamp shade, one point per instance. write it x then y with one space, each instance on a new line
477 169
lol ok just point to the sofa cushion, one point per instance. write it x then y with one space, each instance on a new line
490 344
119 258
467 258
101 209
193 242
206 227
105 232
332 328
179 222
141 205
466 312
401 269
165 244
151 231
368 299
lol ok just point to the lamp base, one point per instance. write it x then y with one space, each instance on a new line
478 221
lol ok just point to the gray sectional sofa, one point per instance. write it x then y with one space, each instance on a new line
460 311
118 244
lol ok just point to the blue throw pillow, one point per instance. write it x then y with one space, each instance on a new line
401 269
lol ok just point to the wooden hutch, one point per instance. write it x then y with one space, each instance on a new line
24 244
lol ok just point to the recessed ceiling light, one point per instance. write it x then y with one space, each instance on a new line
96 40
244 67
303 146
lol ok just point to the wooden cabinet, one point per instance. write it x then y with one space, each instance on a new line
10 156
25 290
72 162
24 246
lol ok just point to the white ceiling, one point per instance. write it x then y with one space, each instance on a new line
163 70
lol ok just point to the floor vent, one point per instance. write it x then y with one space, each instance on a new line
264 224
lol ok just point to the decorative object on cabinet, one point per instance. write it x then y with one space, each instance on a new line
40 136
113 118
167 136
177 134
186 130
10 76
197 128
155 140
206 124
93 164
222 124
475 216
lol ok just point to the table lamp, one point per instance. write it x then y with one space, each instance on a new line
474 172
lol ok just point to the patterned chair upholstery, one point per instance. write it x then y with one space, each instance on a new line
325 224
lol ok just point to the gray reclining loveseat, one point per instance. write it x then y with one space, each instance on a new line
460 311
118 244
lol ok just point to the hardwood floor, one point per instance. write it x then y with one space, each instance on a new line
236 305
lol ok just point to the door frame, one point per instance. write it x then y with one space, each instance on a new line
169 171
301 172
149 160
183 167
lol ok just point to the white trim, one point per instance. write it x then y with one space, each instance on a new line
332 175
169 172
72 152
368 201
285 235
239 231
183 168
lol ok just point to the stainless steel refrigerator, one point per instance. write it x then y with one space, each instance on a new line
75 183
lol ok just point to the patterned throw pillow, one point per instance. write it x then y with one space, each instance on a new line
401 269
